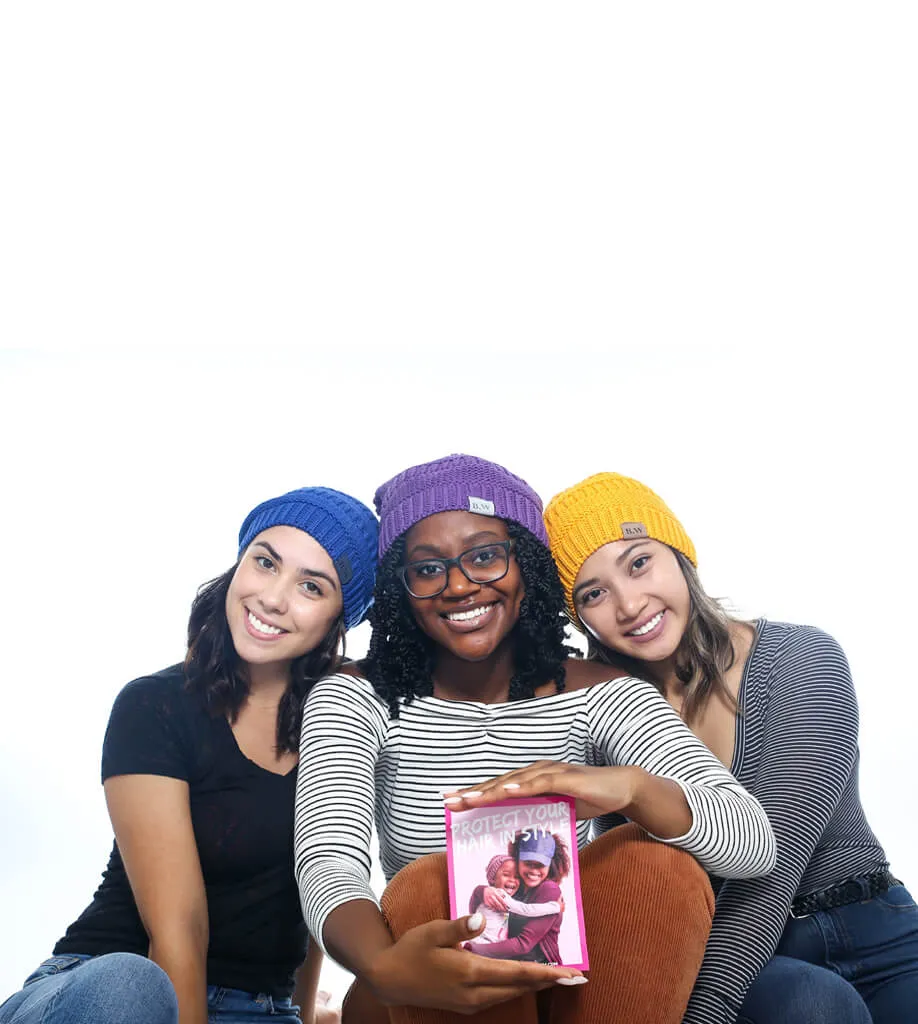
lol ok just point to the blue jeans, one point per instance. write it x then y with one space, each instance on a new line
853 965
123 988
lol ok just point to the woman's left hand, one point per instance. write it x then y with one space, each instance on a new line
596 790
325 1014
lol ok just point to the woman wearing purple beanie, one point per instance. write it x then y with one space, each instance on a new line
197 919
467 679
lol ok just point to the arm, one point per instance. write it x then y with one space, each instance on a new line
306 987
808 752
151 817
344 728
530 935
660 776
532 909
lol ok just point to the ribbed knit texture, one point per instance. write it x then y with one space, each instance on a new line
450 484
344 526
647 911
590 514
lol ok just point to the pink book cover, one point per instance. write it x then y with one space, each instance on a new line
525 852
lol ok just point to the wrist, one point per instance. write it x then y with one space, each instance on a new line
636 787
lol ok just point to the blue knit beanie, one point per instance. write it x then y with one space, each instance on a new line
344 526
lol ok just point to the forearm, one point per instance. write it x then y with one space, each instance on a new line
355 933
306 984
185 962
532 909
658 805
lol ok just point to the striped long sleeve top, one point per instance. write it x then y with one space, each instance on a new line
359 765
796 750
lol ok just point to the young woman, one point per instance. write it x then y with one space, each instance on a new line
776 703
467 677
197 917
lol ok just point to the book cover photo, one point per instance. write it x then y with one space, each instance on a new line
516 863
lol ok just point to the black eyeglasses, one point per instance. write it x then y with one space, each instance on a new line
485 564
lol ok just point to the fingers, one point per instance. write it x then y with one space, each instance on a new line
536 779
452 933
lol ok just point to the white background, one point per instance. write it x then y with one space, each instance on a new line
676 241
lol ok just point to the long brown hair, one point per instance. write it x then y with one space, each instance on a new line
214 670
704 656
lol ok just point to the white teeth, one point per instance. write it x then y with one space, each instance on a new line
263 627
648 626
472 613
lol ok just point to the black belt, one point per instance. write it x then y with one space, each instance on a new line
851 891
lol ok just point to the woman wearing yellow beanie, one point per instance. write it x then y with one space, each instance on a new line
830 934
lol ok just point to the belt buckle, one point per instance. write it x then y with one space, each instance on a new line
799 917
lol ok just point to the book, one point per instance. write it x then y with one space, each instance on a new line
516 863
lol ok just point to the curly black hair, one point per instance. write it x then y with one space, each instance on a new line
401 657
213 668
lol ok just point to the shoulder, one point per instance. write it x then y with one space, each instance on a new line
346 695
545 892
580 674
157 692
783 644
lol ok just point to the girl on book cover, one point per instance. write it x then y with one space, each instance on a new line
541 861
495 901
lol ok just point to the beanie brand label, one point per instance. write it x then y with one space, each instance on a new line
481 505
343 567
634 530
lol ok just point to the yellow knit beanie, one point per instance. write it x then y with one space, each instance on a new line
599 510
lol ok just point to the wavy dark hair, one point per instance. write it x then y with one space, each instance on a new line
704 656
401 657
560 865
214 670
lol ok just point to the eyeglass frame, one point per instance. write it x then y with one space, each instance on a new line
448 563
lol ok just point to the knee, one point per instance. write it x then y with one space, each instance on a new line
127 986
645 865
418 893
788 989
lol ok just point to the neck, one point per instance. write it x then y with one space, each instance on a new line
267 683
485 681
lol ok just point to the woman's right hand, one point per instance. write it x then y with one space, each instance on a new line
425 968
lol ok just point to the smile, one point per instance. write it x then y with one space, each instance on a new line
648 626
263 627
469 614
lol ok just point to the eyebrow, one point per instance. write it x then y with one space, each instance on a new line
471 541
303 572
618 561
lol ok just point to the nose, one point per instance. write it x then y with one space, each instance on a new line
458 584
273 595
631 601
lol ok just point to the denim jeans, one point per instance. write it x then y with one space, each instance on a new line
851 965
123 988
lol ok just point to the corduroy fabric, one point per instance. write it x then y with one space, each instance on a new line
647 909
452 483
590 514
344 526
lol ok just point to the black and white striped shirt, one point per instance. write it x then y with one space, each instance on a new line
358 765
796 750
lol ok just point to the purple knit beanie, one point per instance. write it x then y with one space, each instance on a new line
461 482
494 865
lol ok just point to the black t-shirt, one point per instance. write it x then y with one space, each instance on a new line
243 824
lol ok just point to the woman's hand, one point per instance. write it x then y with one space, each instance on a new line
496 899
425 968
656 803
595 790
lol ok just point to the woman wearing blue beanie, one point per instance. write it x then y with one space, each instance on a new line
197 917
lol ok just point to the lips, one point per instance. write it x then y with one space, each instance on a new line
260 629
469 619
649 629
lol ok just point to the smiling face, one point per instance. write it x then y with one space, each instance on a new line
633 598
533 873
469 620
283 598
507 878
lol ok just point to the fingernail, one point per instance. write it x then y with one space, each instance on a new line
511 785
476 921
452 800
580 980
473 792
